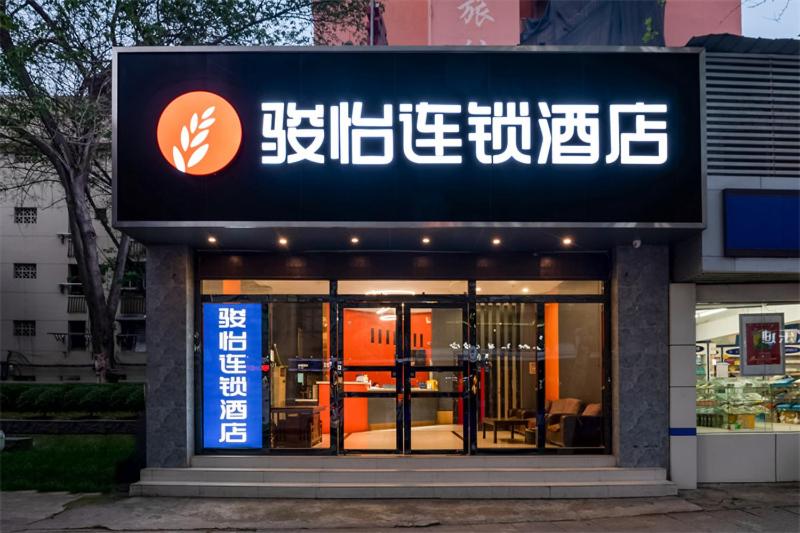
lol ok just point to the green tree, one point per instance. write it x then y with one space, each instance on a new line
55 102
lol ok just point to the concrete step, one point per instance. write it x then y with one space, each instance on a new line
486 490
409 474
403 461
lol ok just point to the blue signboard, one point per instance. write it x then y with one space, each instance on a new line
231 375
762 223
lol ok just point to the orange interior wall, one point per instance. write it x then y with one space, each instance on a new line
360 350
231 286
551 372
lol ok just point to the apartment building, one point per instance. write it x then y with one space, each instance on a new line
44 322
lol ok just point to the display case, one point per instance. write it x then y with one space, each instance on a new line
757 403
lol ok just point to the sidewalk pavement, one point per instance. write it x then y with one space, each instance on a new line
723 507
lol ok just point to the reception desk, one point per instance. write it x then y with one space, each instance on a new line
365 414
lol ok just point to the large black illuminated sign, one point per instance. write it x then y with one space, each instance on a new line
392 135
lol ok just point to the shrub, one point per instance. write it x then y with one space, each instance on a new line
94 401
27 400
119 398
73 397
49 400
10 393
135 400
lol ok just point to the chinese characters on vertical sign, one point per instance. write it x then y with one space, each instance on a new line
232 375
499 132
761 340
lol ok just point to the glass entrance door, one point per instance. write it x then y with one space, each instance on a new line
369 381
400 378
434 397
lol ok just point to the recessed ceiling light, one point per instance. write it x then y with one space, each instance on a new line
212 239
496 241
426 240
283 241
567 241
354 240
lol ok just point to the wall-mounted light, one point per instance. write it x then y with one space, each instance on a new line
212 239
567 241
496 241
283 241
426 240
354 240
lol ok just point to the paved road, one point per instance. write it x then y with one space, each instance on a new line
739 507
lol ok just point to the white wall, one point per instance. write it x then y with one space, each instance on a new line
748 457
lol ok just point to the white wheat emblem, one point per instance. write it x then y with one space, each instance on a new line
191 139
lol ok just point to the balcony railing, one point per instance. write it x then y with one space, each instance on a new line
137 251
131 342
76 304
73 341
132 304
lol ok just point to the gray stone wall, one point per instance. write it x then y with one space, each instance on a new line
170 357
640 355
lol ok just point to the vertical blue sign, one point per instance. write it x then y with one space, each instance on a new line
231 375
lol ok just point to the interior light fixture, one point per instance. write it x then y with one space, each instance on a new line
496 241
702 313
354 240
567 241
212 239
478 289
426 240
389 292
524 289
283 241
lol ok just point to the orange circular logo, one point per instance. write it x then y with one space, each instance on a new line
199 133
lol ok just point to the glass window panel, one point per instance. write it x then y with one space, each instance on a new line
299 377
401 287
437 424
370 423
362 347
727 399
437 336
264 286
509 338
538 287
573 381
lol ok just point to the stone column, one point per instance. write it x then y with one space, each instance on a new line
640 355
170 356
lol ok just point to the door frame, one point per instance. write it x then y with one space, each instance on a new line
462 371
402 371
340 369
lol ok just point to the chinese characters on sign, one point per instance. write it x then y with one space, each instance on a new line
232 375
474 22
761 340
431 134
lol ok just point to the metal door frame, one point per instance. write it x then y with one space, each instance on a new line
461 370
340 368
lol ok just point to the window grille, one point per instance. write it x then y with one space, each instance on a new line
24 328
25 270
25 215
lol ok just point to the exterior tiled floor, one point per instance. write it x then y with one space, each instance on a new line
726 508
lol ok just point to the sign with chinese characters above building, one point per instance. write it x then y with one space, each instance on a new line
474 22
761 341
232 376
477 135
